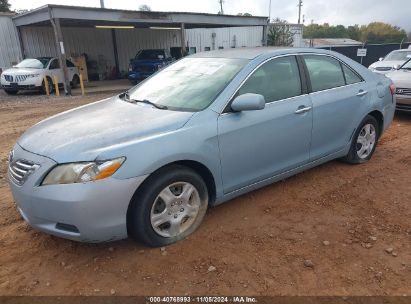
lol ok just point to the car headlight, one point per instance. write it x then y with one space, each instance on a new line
83 172
33 75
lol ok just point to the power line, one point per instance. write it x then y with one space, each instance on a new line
300 4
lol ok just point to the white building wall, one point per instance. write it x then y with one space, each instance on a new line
10 53
297 29
228 37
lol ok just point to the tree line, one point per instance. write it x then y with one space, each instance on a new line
375 32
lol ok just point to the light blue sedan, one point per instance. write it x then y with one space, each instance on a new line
210 127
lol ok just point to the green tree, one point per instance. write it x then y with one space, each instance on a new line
4 6
354 32
376 32
280 34
325 31
380 32
144 8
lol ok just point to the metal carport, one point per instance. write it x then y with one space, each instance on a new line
59 16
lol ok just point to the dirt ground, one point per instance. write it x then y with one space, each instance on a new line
342 218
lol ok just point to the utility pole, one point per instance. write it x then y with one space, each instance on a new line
221 6
102 3
269 12
300 4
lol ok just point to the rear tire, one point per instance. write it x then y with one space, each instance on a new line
75 81
364 141
168 207
11 92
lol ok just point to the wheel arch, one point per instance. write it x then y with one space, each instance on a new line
380 119
196 166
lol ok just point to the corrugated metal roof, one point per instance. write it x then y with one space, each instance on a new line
74 14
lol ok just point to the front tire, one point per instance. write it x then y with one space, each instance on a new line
11 92
168 207
364 141
50 85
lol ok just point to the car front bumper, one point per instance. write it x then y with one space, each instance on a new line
403 103
138 76
28 84
87 212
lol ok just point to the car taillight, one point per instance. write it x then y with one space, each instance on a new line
392 89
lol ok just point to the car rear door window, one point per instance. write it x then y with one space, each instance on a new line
276 79
350 76
325 72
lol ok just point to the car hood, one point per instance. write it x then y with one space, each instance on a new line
386 63
21 71
401 78
83 133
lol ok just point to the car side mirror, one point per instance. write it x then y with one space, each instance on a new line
380 59
397 66
248 102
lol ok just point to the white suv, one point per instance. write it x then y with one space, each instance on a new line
29 75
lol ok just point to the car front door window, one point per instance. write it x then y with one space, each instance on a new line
54 65
275 80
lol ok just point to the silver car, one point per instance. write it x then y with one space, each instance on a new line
391 62
402 81
210 127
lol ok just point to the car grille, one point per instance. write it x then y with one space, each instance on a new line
21 169
403 91
20 78
383 68
8 78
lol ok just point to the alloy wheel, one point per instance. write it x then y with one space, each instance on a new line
366 141
175 209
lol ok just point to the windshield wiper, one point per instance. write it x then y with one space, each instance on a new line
128 99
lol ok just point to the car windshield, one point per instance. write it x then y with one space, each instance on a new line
190 84
33 63
398 55
407 65
149 54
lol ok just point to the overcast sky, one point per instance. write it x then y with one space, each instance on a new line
345 12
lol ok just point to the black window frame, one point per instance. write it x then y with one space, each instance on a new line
341 63
353 71
302 75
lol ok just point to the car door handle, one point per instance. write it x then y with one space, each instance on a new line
362 93
302 110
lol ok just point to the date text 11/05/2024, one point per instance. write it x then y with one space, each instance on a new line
202 299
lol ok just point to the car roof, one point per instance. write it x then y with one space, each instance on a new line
251 53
